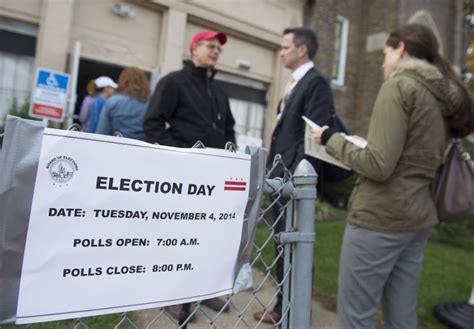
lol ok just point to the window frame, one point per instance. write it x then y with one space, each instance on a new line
341 56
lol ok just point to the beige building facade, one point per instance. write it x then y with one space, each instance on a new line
154 35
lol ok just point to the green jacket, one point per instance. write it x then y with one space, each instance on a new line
406 142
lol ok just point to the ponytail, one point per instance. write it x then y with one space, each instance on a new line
460 117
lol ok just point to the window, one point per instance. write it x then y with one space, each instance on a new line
340 51
17 51
247 100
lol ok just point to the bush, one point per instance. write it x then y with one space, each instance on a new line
338 193
19 111
326 211
456 234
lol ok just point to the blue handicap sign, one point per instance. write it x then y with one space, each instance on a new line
49 95
52 80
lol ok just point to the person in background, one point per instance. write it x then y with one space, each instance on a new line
391 210
124 111
187 105
86 105
307 93
105 87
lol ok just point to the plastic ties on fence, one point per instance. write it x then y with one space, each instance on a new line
230 147
74 127
199 145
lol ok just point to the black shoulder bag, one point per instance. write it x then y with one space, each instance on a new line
454 185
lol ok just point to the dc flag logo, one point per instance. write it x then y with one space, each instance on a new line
235 185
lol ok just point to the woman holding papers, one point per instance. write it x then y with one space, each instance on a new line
391 211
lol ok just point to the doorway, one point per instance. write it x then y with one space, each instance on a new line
89 70
247 100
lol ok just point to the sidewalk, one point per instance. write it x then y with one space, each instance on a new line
244 302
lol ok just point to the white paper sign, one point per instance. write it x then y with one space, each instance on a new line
119 225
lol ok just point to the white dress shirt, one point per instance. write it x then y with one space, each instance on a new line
296 76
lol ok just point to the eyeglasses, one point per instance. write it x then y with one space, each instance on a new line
212 47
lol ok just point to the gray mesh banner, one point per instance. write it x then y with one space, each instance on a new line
243 279
18 164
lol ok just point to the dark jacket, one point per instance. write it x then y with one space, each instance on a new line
406 142
193 106
311 97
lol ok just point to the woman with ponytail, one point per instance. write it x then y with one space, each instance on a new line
421 104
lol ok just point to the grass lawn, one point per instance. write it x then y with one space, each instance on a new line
447 275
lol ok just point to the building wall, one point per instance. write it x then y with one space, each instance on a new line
271 16
447 20
382 18
445 17
156 38
52 46
23 10
370 22
377 20
324 18
108 37
323 22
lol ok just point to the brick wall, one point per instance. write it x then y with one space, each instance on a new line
364 73
445 14
377 18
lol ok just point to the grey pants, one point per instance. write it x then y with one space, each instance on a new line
379 267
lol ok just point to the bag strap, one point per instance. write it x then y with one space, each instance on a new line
462 154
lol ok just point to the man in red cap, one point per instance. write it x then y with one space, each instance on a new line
187 105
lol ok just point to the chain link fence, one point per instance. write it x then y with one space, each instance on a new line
285 234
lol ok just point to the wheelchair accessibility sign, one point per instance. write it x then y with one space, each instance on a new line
49 97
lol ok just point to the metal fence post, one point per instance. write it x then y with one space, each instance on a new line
305 179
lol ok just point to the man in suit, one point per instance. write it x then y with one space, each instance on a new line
307 93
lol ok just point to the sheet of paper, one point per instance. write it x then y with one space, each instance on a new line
311 123
359 141
319 151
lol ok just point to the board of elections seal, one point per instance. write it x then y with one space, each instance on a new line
62 169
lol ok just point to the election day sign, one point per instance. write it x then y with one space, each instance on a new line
49 96
130 224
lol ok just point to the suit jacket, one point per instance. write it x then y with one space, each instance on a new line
312 97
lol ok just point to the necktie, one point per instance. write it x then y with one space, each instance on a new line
285 96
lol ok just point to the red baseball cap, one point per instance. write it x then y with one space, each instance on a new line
207 35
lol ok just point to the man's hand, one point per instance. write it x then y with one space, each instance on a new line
317 132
